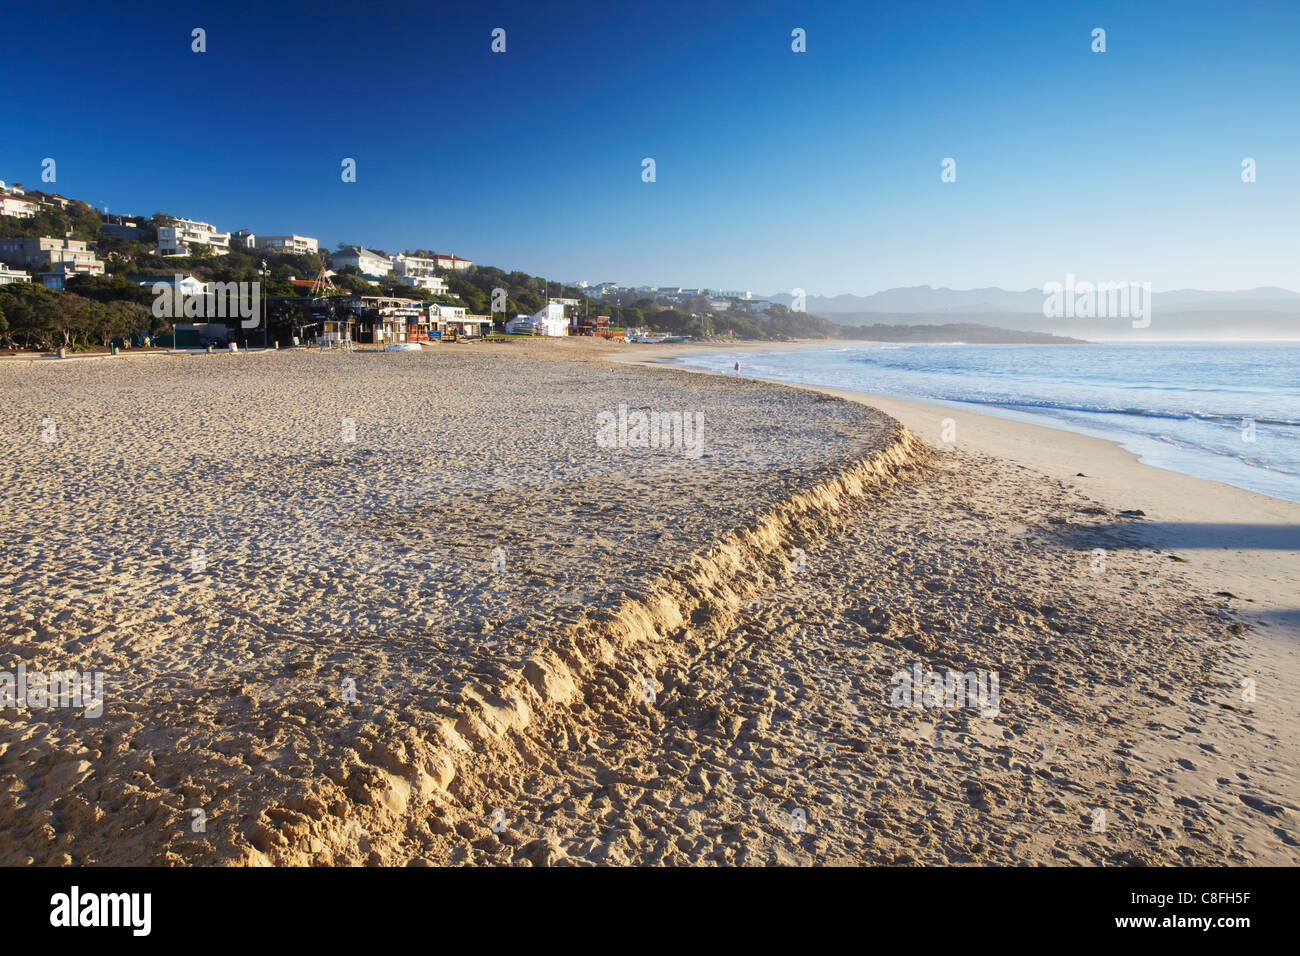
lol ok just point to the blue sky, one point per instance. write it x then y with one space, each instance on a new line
775 169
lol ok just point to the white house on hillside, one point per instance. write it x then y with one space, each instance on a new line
183 235
432 283
418 273
362 259
18 208
299 245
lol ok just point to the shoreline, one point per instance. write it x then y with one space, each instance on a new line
1010 413
1182 512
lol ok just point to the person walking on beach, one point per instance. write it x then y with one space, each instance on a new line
737 368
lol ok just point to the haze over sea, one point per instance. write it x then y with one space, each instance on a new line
1186 407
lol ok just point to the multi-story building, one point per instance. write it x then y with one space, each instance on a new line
18 208
243 239
183 236
418 273
51 256
404 265
298 245
363 260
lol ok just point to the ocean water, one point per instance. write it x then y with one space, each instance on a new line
1227 412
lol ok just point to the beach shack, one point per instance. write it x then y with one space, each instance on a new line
335 330
403 321
455 321
382 320
419 325
590 325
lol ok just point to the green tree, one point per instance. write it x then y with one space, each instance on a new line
110 288
31 310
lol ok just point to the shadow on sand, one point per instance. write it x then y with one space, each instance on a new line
1188 535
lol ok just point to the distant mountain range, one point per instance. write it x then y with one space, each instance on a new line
924 298
1264 313
1236 325
967 332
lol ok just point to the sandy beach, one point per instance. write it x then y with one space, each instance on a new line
446 607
